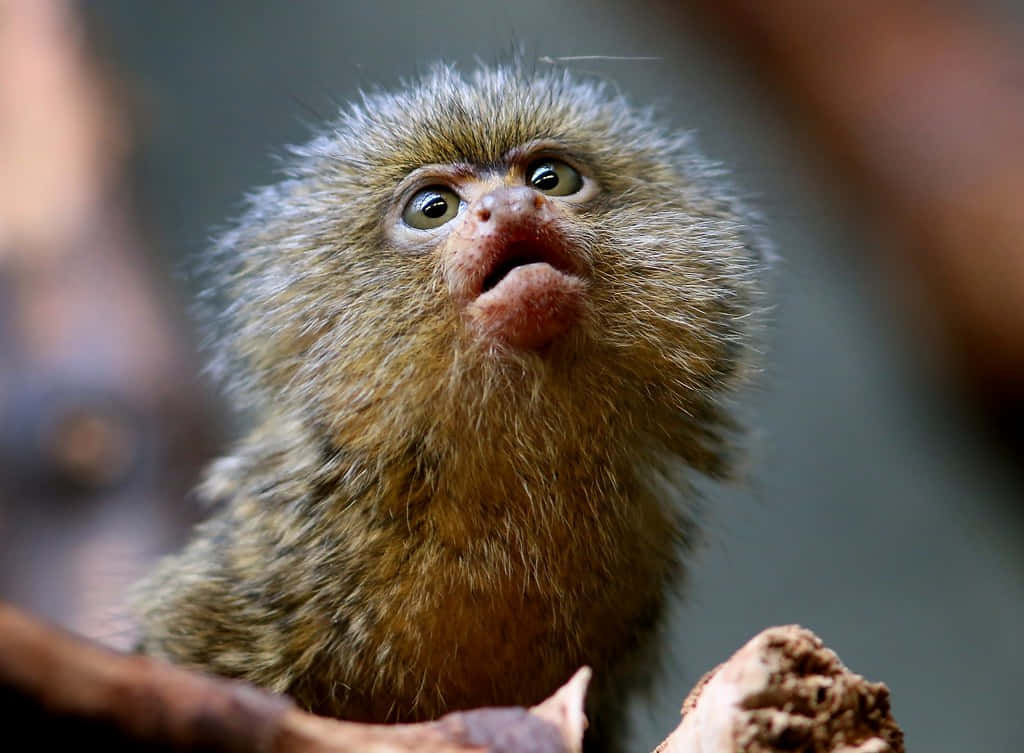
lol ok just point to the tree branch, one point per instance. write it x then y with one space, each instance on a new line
783 691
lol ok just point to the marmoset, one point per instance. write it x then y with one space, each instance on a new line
487 326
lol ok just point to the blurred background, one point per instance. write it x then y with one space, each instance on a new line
883 504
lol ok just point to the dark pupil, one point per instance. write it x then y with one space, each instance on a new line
545 178
435 207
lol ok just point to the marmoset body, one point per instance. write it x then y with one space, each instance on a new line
487 326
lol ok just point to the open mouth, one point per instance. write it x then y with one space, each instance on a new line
532 293
521 254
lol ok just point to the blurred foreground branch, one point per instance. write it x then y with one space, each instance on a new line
918 105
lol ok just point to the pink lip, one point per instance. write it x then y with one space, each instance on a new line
517 278
531 305
513 255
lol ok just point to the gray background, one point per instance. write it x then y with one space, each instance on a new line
876 513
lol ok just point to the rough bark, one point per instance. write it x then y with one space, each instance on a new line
785 691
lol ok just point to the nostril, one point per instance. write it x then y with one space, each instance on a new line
484 214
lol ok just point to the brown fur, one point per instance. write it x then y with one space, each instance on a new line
423 520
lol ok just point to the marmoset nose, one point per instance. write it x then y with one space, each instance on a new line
508 227
508 203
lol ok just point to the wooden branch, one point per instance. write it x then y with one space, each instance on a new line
783 691
59 690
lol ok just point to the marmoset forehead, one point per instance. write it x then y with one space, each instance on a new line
447 119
